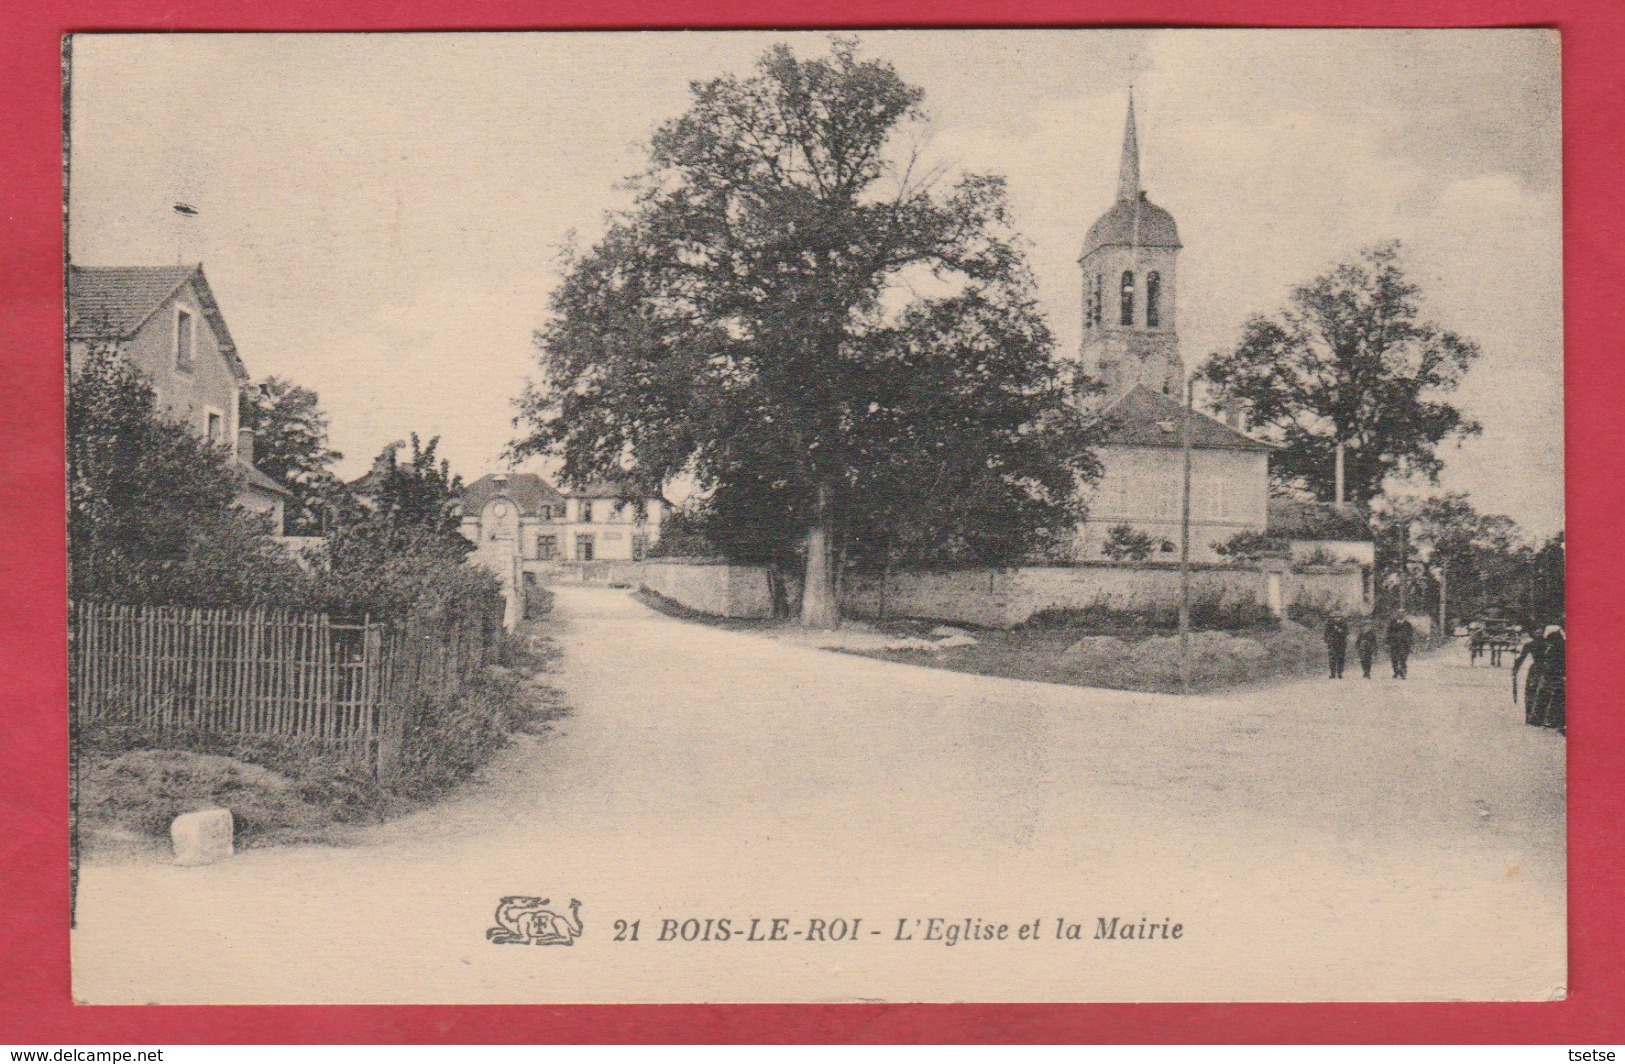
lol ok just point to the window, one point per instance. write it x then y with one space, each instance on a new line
640 511
1100 298
184 329
640 547
1153 300
213 427
1127 315
584 548
586 511
547 513
547 547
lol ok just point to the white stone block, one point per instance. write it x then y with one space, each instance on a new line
202 837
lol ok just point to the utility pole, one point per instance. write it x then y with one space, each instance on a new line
1444 590
1185 543
184 213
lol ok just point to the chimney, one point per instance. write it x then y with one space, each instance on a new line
245 446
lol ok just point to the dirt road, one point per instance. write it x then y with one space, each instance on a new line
1355 840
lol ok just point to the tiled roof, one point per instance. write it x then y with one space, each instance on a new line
603 489
260 480
1133 222
528 491
1298 519
112 302
1144 418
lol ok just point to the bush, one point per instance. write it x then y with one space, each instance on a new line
1126 543
1207 612
1249 545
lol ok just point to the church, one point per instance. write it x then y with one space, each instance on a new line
1130 348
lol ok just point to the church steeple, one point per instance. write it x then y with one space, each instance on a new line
1128 175
1130 332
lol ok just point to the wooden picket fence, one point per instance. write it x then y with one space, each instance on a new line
350 687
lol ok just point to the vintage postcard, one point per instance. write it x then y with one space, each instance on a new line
1009 516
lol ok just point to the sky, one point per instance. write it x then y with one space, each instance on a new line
381 215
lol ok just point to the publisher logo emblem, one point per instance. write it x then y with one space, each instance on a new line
525 921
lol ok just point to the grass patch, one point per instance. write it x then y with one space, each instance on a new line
1135 658
134 783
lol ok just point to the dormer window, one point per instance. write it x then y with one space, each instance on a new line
185 329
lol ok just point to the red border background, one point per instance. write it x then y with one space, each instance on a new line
35 1006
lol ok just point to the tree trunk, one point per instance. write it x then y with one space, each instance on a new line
819 608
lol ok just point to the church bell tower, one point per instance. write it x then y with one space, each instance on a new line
1130 333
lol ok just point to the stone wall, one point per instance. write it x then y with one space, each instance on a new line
998 598
1001 598
603 573
713 587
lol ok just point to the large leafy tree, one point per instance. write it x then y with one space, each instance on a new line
290 446
1349 361
845 356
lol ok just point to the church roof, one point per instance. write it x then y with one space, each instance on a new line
1132 221
1141 417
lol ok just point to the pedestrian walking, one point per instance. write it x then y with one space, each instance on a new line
1337 644
1534 652
1365 645
1400 638
1554 688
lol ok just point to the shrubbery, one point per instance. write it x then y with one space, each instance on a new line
152 518
1248 545
1125 543
1207 613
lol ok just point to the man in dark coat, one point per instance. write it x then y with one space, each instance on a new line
1365 644
1554 688
1545 685
1337 644
1400 637
1534 652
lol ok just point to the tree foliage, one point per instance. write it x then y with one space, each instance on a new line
417 493
847 359
1485 560
1349 360
152 514
290 446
